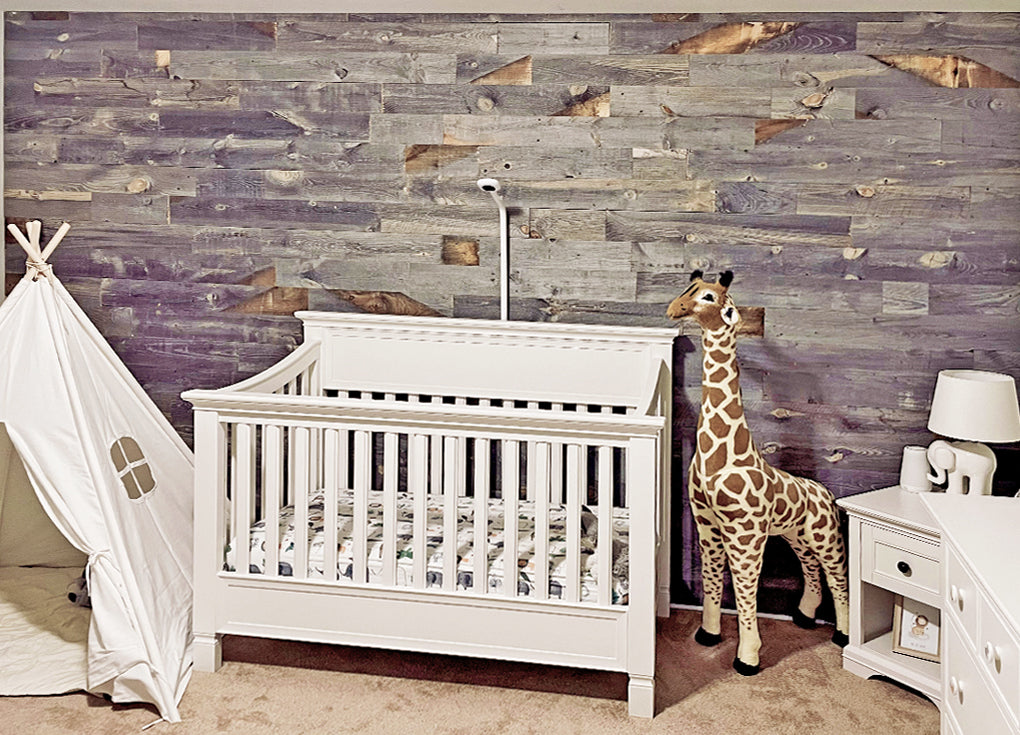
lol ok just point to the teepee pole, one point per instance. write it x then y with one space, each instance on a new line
26 244
54 241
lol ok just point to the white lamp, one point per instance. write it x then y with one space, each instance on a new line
975 406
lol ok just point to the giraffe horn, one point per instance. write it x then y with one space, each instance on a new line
725 279
696 275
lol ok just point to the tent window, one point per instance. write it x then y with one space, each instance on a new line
132 468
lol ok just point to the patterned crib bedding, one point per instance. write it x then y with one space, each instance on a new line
525 577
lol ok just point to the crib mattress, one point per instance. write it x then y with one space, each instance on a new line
525 576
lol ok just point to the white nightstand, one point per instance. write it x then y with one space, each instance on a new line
894 549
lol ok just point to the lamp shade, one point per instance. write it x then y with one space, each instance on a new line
975 405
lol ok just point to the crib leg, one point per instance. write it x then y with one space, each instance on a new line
208 652
641 696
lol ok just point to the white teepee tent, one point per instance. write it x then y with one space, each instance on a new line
82 444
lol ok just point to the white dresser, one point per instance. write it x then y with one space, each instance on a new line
980 612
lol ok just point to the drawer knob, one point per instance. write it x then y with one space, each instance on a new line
992 655
904 568
956 688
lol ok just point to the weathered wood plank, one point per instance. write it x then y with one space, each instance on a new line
222 35
326 66
975 31
34 181
543 69
898 136
84 93
719 229
566 224
656 194
522 162
81 121
263 124
657 101
833 165
945 104
334 97
581 132
393 35
272 213
553 38
301 184
828 103
974 137
737 197
948 71
429 99
892 200
149 209
810 72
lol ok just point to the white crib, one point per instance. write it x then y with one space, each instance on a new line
397 441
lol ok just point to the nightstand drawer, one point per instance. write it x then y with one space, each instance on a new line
902 563
1000 656
961 596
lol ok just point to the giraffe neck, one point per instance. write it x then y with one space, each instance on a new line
723 436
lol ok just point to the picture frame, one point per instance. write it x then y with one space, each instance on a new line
917 629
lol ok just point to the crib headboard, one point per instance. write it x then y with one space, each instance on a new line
475 358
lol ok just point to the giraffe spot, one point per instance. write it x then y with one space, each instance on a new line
748 523
820 538
745 540
819 523
714 396
753 500
716 461
719 375
704 442
780 507
718 356
741 440
733 409
734 484
717 426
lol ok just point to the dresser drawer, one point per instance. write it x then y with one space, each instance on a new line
969 702
901 563
961 596
1000 656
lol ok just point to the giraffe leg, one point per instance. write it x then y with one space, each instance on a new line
811 598
713 562
833 560
745 569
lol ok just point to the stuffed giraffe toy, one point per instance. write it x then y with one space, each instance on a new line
738 500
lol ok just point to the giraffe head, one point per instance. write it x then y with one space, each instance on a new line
707 303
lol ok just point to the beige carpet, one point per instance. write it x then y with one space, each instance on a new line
298 689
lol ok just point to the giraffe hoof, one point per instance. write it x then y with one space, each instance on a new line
840 639
745 669
707 639
803 621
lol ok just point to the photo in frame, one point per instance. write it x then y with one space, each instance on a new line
916 629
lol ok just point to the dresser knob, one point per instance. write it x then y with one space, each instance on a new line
992 655
954 592
956 688
904 568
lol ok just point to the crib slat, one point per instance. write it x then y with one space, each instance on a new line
541 462
362 478
480 573
272 490
417 479
243 492
530 481
331 483
605 538
556 474
576 479
511 490
452 472
390 476
299 496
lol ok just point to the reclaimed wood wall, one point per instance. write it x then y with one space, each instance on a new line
858 172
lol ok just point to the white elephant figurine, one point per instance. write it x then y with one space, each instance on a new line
962 461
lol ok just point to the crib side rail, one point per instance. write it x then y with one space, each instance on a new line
296 374
560 491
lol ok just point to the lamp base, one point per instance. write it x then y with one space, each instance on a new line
968 466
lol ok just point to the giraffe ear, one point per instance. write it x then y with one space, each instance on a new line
730 314
696 275
725 279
